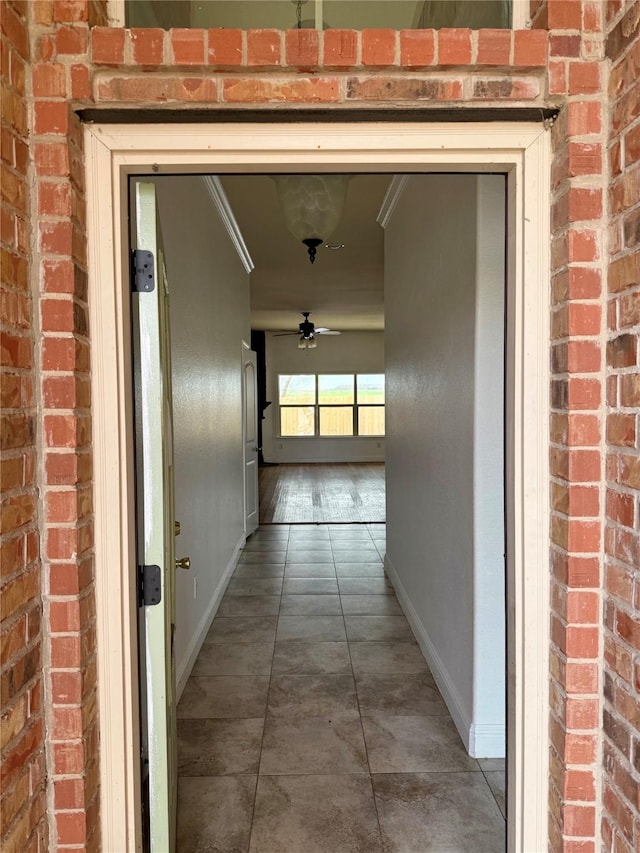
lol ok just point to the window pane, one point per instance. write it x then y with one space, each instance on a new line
371 388
336 420
336 389
297 420
297 390
370 420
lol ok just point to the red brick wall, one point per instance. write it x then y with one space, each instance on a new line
23 806
76 62
577 272
621 713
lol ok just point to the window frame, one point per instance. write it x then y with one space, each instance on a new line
355 406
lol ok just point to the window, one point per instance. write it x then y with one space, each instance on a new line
331 404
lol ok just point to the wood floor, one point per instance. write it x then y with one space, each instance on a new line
322 493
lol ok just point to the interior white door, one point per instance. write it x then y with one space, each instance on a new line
156 524
250 438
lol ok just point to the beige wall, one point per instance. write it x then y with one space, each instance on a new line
444 285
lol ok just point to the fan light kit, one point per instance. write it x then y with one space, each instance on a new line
308 332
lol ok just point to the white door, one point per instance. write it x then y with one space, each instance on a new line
250 438
156 523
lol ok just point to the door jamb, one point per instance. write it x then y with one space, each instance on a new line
521 150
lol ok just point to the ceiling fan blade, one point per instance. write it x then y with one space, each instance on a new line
327 332
282 334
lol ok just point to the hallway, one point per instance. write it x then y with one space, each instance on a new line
311 723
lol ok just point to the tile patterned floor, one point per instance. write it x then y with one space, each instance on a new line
311 722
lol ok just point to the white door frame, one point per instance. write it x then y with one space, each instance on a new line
519 149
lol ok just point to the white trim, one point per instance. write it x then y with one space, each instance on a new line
520 150
183 670
116 13
396 187
487 740
520 14
223 208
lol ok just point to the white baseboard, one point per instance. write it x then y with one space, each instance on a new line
480 741
183 669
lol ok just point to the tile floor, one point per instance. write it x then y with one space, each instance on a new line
311 722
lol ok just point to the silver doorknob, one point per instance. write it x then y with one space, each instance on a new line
183 563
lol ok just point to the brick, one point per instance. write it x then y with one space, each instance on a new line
187 46
302 48
584 78
51 117
154 89
564 14
454 46
378 48
515 88
263 48
494 47
147 46
71 40
382 88
629 389
80 82
225 48
621 429
624 272
49 80
300 90
107 45
530 48
417 48
583 118
68 11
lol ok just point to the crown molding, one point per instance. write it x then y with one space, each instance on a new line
392 197
223 208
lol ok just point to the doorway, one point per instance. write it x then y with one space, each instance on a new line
393 148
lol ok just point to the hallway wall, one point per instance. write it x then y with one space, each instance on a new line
357 352
209 298
444 324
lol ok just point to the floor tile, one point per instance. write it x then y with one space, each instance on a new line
310 570
319 629
312 745
370 605
355 554
352 534
389 657
318 605
259 570
359 570
309 658
234 659
437 813
219 747
254 586
414 745
315 814
263 546
233 696
249 605
274 556
365 586
294 696
498 783
310 586
361 628
215 814
399 695
242 629
489 764
307 555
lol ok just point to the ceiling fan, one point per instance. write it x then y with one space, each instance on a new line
308 331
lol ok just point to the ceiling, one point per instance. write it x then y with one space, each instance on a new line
343 289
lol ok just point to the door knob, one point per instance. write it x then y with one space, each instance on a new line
183 563
176 528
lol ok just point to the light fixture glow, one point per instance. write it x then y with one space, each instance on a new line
312 206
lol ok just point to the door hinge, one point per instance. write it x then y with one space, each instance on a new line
149 585
143 271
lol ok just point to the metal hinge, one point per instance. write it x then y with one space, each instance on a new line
149 585
143 271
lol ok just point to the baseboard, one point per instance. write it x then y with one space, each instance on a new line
483 740
183 670
487 740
